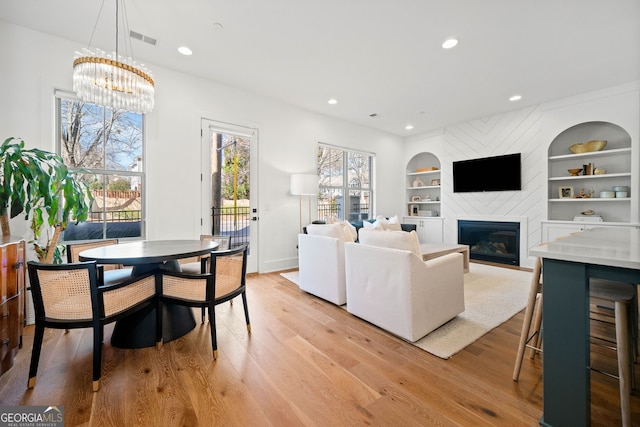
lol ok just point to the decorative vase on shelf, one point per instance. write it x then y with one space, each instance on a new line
418 182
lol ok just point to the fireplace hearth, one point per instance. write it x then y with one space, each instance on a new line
494 241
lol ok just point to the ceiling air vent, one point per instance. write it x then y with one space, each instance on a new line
142 38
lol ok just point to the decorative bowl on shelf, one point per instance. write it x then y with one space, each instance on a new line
588 147
575 172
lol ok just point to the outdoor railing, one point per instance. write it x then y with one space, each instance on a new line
233 222
114 216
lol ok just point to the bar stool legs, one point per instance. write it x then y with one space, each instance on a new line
622 295
527 335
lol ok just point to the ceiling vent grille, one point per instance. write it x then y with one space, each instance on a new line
142 38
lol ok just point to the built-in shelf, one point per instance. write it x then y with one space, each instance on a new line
423 173
580 177
593 199
425 187
591 154
428 227
615 159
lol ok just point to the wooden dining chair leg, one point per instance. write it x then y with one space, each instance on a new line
97 356
159 339
246 311
212 326
203 309
38 337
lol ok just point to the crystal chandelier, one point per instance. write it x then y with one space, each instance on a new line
112 80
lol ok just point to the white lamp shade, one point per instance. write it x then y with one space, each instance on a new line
304 184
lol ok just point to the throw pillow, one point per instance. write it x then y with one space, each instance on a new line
391 224
327 230
392 239
349 231
377 225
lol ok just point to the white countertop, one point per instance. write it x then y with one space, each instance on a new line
602 246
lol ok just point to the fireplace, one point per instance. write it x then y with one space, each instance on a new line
493 241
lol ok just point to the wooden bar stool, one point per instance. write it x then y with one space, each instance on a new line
623 298
531 337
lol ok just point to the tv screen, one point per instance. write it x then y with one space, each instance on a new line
499 173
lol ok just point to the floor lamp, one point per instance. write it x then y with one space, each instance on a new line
304 185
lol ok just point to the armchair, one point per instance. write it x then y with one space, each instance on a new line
397 291
321 262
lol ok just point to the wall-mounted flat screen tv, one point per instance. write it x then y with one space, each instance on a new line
498 173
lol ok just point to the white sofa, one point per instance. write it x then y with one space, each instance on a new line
389 285
321 262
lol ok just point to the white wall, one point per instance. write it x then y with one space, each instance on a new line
36 64
529 131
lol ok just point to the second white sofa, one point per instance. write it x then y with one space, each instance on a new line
388 284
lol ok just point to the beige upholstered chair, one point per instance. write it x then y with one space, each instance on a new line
389 285
68 296
225 282
111 273
196 265
321 261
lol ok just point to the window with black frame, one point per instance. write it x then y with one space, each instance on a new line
106 145
345 178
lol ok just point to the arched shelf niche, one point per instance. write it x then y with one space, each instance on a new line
569 196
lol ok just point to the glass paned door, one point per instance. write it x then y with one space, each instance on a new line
229 175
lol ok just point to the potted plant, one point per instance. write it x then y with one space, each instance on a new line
37 182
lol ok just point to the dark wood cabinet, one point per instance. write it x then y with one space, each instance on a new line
12 299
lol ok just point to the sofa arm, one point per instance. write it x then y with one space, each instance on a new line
438 292
321 267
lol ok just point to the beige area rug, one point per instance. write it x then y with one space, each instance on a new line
492 295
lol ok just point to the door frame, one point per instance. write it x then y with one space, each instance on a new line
207 126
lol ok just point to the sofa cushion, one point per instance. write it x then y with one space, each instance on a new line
335 230
392 239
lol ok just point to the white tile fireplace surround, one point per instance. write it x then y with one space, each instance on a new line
523 221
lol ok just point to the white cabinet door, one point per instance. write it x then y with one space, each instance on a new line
429 230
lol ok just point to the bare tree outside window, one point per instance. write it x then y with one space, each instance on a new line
342 172
107 145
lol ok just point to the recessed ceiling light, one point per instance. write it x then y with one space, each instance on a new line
449 43
515 98
333 101
185 50
409 127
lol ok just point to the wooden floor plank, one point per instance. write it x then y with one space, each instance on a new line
305 363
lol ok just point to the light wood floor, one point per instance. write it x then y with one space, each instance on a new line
306 363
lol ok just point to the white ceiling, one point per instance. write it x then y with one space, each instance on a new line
373 56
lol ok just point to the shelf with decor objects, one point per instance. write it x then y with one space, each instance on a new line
582 175
423 197
583 178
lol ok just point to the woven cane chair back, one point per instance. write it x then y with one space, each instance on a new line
64 294
74 249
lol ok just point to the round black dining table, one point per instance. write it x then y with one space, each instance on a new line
138 329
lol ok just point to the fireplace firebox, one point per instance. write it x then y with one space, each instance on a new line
494 241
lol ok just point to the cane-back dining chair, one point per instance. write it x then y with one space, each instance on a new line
225 282
111 273
200 264
69 296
